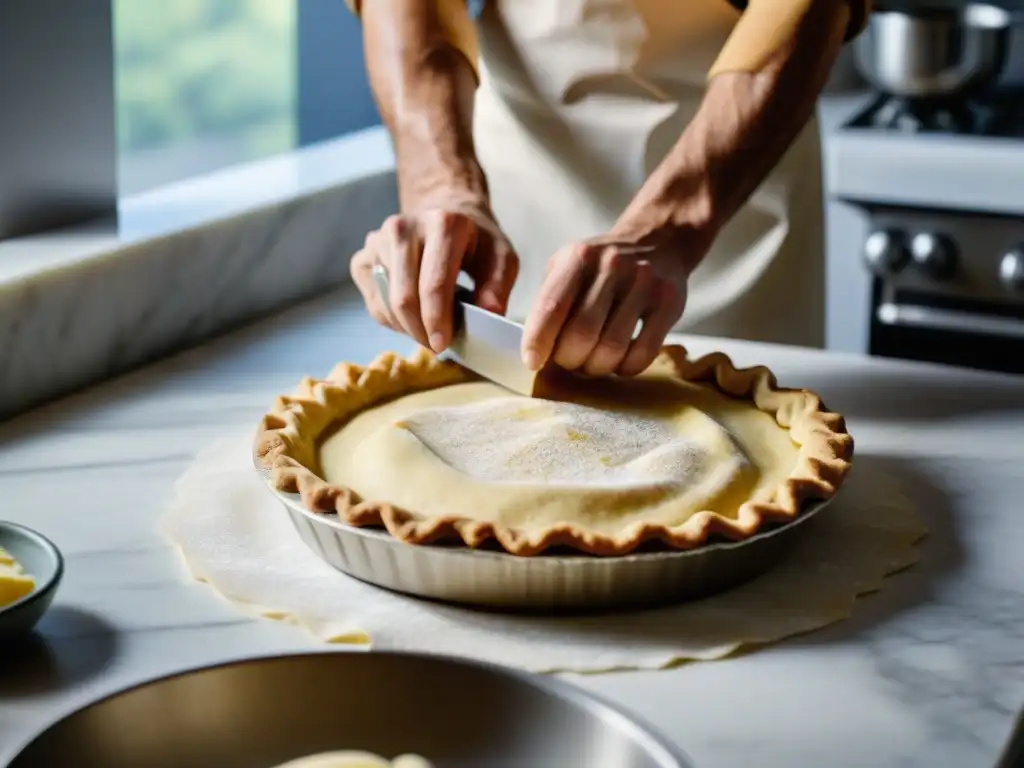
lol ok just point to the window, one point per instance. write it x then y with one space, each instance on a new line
192 85
204 84
201 84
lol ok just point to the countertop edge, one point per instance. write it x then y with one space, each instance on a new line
196 259
186 263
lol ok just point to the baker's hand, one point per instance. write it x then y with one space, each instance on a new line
423 253
586 313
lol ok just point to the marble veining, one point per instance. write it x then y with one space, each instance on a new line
928 673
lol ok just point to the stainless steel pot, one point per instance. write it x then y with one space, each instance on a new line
934 52
265 711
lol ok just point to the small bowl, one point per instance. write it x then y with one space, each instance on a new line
43 562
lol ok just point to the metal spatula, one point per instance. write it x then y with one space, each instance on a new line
485 343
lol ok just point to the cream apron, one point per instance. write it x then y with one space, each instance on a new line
581 99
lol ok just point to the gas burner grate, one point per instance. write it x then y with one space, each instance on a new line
999 117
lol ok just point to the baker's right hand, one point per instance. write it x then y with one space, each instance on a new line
423 253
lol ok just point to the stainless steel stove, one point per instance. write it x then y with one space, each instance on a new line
940 184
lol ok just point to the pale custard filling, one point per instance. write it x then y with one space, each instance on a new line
609 457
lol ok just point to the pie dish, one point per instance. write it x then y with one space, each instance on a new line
690 451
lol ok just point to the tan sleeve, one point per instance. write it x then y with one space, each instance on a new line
454 18
766 23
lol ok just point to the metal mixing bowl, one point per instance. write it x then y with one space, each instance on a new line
262 712
934 52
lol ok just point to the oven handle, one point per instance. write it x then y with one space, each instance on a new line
915 316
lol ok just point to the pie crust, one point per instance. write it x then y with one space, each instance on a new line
289 438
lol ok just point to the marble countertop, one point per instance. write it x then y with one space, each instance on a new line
194 258
930 672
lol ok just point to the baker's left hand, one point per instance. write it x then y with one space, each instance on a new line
595 293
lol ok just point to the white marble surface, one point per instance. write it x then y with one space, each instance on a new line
189 260
928 673
183 263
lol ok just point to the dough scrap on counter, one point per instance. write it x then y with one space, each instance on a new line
233 536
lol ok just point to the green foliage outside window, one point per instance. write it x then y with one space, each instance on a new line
196 69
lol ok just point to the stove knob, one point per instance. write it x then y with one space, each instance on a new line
935 255
1011 270
885 252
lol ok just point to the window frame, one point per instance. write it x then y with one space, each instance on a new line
58 143
61 165
333 92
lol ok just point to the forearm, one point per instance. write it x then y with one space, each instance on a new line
424 86
746 122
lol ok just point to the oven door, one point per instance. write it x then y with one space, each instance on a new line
921 326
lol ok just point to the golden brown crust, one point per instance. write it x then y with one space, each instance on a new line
287 444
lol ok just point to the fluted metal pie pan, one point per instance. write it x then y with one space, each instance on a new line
547 582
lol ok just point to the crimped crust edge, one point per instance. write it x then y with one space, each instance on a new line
286 444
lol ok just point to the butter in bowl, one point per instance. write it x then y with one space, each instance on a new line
31 568
14 582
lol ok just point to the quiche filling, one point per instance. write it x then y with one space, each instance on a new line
612 456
